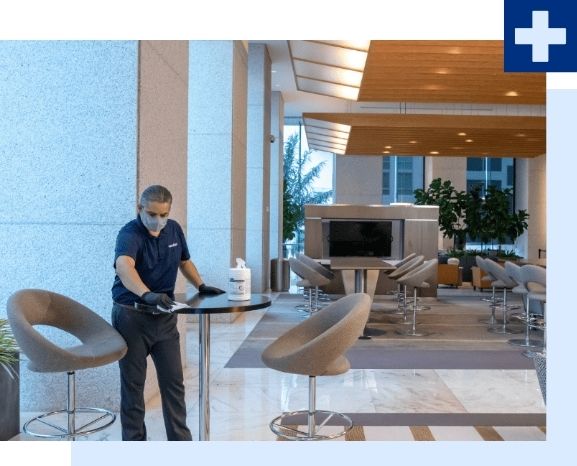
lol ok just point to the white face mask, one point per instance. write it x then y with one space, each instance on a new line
153 223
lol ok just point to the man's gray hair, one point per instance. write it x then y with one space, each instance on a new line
155 193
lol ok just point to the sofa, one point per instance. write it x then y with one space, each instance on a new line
478 282
450 274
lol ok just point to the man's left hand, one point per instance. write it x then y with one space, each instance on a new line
204 289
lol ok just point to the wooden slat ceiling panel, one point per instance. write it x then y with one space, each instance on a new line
445 71
491 136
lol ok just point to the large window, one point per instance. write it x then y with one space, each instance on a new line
484 171
401 176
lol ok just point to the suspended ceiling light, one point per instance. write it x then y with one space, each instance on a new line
332 68
327 136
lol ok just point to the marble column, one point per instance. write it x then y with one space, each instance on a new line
531 195
258 166
358 179
68 171
276 182
162 142
447 168
217 120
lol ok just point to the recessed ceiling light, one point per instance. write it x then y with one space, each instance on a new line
386 152
442 71
412 142
433 87
520 135
434 152
457 148
462 134
388 147
468 140
512 94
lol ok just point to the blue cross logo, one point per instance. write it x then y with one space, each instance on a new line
540 35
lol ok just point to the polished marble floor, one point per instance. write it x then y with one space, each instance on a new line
243 401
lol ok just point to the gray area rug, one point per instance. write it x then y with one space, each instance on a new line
457 341
432 419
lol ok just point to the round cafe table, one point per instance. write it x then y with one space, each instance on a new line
204 306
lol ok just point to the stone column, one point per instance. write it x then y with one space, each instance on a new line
68 165
258 166
162 142
447 168
276 181
217 116
358 179
531 195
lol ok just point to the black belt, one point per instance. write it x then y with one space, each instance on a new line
143 309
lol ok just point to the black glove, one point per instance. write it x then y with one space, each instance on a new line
157 299
203 289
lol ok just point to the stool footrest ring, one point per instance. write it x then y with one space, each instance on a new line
290 433
108 417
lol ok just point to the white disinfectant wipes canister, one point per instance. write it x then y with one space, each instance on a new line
239 282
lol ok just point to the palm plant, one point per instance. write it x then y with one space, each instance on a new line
8 348
298 189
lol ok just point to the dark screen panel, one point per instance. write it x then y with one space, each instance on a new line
360 238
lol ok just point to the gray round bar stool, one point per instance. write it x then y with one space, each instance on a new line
535 280
515 273
100 344
493 300
502 281
402 262
310 279
399 264
407 267
313 264
418 278
317 347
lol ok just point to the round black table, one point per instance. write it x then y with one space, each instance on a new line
204 306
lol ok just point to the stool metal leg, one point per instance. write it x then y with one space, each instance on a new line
313 431
71 431
312 404
71 404
503 329
527 342
413 331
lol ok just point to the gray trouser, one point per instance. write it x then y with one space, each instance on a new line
154 335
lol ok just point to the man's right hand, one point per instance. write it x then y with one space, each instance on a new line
157 299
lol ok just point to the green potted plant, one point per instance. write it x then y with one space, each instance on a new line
452 205
9 384
498 223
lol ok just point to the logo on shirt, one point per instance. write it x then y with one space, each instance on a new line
173 245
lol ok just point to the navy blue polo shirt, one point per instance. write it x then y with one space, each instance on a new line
156 258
